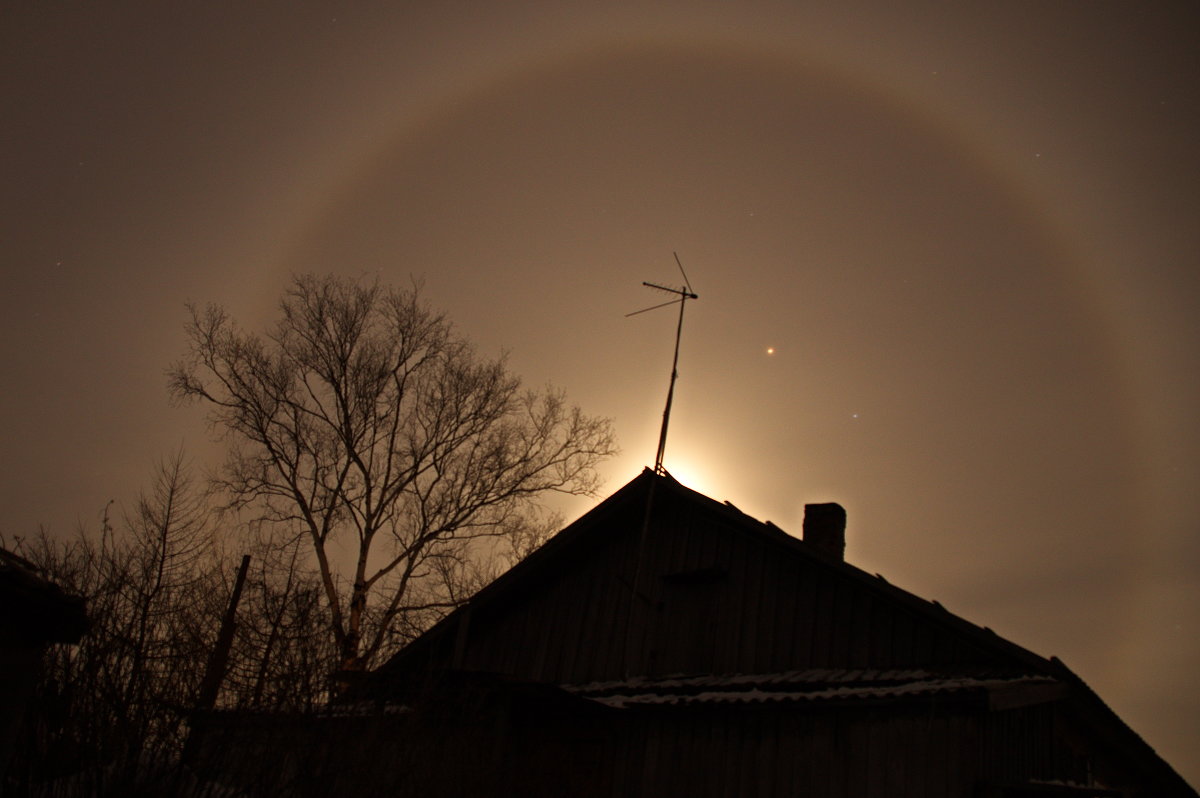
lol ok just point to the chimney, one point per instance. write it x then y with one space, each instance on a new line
825 528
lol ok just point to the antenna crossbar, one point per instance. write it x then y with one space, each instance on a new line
685 293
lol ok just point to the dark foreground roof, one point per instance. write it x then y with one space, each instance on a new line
35 608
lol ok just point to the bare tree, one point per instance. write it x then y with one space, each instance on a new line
366 421
120 698
169 603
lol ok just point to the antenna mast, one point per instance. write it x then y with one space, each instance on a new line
685 293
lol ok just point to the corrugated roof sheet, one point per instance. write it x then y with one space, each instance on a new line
817 685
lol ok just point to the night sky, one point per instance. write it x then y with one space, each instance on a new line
947 258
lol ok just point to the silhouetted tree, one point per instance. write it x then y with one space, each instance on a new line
362 419
118 701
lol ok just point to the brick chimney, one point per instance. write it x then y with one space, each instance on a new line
825 528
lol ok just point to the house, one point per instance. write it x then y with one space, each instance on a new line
33 614
668 644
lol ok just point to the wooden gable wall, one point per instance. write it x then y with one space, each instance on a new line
717 592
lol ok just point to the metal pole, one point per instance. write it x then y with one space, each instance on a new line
662 435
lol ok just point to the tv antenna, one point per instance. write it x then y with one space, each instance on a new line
682 296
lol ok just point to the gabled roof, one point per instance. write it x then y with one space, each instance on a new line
589 530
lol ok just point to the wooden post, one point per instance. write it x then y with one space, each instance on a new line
214 673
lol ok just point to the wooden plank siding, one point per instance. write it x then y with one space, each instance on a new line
775 751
